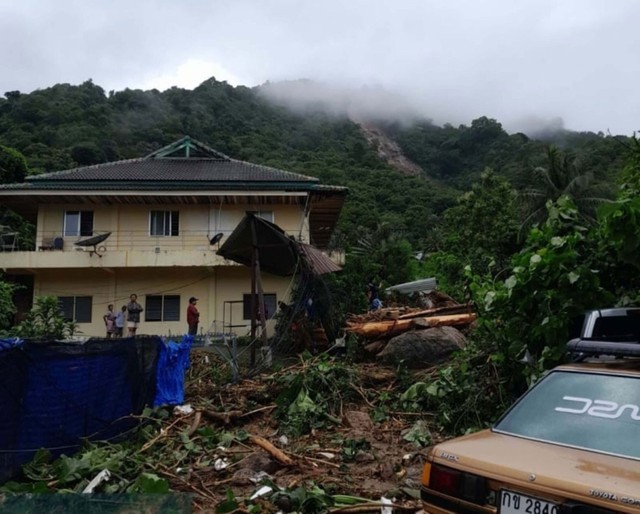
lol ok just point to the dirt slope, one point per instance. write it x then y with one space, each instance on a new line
388 149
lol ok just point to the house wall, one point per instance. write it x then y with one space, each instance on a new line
130 224
212 286
132 261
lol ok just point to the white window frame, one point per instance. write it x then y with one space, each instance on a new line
74 306
265 215
78 228
163 313
167 228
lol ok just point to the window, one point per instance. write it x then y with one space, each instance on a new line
162 307
269 305
593 411
265 215
164 223
78 223
76 308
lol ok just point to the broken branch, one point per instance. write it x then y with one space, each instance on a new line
196 423
224 417
279 455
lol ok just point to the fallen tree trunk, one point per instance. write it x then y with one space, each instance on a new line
452 320
379 329
441 311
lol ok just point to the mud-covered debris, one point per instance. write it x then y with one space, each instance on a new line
358 420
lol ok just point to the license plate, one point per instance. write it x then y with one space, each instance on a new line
516 503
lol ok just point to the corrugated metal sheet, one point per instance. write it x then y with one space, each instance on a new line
279 253
426 284
318 262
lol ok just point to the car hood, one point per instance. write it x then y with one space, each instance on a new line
545 467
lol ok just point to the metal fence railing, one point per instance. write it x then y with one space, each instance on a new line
126 240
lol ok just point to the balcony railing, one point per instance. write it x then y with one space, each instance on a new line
8 242
123 249
123 240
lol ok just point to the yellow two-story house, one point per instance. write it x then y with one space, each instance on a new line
159 217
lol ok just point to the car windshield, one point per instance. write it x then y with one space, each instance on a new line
593 411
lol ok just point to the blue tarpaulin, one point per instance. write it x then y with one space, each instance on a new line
172 364
52 394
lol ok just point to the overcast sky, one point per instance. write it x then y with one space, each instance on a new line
522 62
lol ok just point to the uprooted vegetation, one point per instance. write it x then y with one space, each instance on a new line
307 435
320 434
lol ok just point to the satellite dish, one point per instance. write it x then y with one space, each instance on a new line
216 239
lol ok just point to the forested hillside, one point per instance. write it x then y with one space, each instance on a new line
65 126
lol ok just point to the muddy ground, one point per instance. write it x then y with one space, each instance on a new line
352 455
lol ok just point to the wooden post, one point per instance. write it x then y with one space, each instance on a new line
261 310
254 261
256 287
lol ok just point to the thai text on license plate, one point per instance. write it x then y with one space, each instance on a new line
516 503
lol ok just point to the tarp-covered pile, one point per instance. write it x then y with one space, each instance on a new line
54 394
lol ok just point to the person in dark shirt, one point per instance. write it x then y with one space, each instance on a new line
133 314
193 316
373 296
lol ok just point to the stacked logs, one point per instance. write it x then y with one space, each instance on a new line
389 322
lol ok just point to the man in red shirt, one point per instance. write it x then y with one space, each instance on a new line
193 316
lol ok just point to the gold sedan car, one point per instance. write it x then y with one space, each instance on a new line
571 444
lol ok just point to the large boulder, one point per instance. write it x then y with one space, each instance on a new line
423 348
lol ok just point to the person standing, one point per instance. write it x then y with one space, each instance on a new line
109 321
373 296
120 317
133 314
193 316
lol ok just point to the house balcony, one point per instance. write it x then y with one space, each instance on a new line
121 250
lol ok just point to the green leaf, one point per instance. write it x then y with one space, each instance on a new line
151 483
573 277
414 392
418 434
209 435
227 506
303 404
488 299
241 435
433 389
22 488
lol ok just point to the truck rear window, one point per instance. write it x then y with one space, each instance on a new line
593 411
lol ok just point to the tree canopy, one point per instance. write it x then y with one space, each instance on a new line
65 126
13 165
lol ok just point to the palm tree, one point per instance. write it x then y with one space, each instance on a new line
563 175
